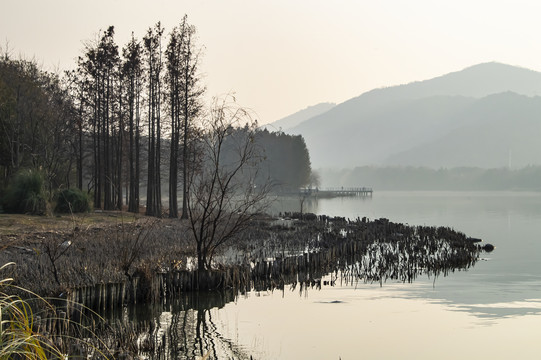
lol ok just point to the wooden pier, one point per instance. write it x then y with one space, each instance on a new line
337 192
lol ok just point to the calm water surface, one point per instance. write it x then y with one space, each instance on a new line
492 311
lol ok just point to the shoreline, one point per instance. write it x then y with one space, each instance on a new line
141 259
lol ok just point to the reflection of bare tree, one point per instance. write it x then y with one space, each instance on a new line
209 343
199 338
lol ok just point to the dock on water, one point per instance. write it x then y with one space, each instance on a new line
336 192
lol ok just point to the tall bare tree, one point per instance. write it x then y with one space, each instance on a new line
153 51
132 74
76 85
108 60
223 197
185 94
100 66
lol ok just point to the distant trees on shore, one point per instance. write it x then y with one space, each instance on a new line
286 161
423 178
124 121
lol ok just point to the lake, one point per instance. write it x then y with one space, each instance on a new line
493 310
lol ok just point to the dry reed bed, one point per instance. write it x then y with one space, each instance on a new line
148 259
106 267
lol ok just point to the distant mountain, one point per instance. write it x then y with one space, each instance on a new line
295 119
451 120
496 131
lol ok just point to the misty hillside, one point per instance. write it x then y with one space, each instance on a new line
451 120
501 130
295 119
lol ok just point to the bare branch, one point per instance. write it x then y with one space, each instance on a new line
223 195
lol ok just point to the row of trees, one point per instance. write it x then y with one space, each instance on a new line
148 93
128 119
286 160
124 120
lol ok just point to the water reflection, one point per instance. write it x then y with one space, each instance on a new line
374 323
492 311
509 220
182 328
345 252
503 310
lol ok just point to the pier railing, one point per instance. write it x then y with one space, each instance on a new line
337 191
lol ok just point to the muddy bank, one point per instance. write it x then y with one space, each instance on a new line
51 260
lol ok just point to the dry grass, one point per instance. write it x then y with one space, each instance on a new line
54 254
11 224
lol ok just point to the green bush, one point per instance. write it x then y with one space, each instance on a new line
72 201
25 194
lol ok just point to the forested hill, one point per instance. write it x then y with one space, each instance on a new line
280 159
488 115
286 161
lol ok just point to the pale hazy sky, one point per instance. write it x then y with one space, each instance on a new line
280 56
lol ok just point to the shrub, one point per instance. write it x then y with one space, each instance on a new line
72 201
25 194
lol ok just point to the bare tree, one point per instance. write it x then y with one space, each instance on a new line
99 68
184 104
75 84
133 75
153 51
223 197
